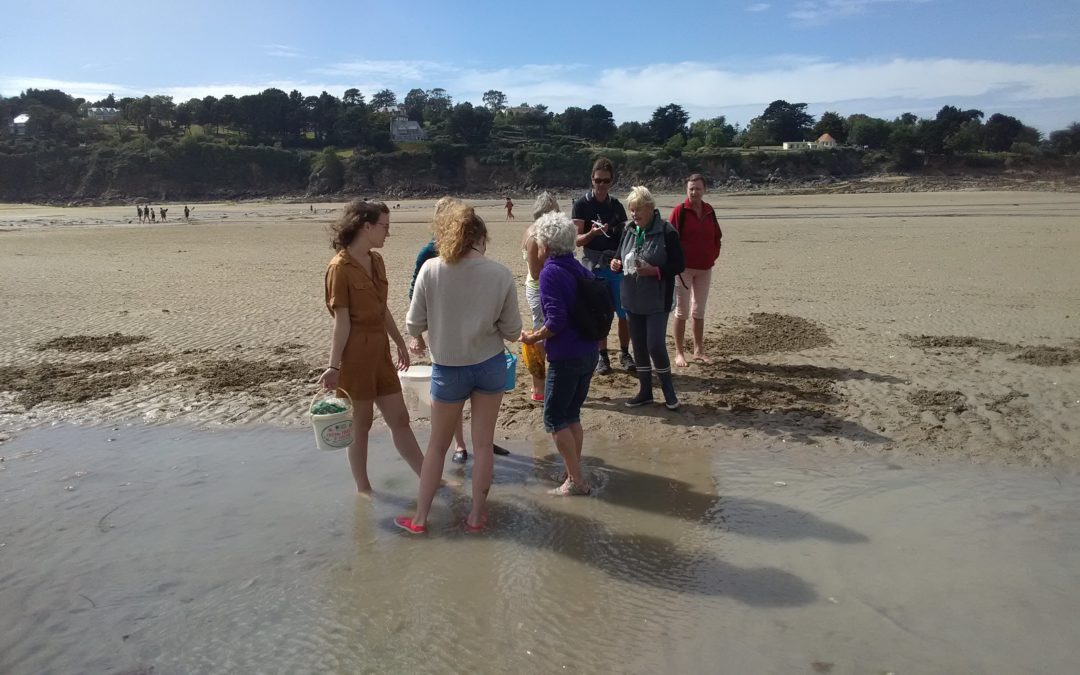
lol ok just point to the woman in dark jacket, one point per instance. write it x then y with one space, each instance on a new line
649 257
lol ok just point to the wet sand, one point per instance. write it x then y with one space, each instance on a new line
945 325
131 548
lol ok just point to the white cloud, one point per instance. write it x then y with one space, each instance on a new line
758 7
876 87
817 12
384 71
282 51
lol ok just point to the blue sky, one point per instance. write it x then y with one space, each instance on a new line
881 57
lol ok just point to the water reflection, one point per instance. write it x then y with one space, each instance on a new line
246 551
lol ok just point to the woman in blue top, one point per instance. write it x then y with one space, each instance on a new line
571 357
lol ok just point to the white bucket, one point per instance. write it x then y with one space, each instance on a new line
416 389
334 431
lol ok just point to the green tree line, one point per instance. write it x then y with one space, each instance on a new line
315 122
274 142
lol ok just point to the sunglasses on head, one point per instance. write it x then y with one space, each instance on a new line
601 181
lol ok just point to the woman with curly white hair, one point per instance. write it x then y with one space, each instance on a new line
572 357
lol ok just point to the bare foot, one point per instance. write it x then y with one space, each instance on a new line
365 492
680 360
699 356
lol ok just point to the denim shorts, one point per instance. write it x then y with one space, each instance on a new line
454 384
565 390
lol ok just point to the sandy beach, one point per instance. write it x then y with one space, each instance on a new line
927 325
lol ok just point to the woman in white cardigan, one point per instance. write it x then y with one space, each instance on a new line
467 304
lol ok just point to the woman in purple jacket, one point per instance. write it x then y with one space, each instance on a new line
571 357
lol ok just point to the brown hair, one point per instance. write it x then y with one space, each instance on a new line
457 229
603 164
356 214
694 177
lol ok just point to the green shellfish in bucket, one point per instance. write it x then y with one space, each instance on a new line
332 420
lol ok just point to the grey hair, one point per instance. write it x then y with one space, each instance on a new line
545 203
640 195
555 232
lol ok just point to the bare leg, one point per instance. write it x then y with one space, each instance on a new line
679 329
444 417
485 412
565 443
358 449
396 416
699 341
459 433
579 438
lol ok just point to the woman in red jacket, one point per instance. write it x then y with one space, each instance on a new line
699 233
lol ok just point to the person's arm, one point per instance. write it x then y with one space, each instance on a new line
586 232
395 335
342 325
416 320
532 258
337 302
556 315
509 322
718 234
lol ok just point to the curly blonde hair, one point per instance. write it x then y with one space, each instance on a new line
457 229
356 214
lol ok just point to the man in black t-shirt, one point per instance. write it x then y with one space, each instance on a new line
600 219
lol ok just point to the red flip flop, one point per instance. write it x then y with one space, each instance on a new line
539 398
476 529
406 523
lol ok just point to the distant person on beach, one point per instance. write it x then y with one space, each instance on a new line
467 304
700 237
138 210
649 258
187 212
600 220
153 214
360 362
545 203
427 252
164 211
509 209
571 357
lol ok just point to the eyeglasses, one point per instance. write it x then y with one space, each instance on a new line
601 181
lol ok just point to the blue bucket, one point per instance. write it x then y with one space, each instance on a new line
511 371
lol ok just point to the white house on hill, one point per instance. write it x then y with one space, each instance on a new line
18 125
103 114
823 141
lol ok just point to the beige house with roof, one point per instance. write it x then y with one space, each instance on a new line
824 141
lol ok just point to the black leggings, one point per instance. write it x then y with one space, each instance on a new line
648 334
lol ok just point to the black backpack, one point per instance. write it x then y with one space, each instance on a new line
593 309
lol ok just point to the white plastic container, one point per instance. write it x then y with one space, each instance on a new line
416 389
334 431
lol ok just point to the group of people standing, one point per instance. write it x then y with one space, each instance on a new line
465 304
148 215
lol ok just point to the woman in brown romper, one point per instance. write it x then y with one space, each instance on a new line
360 361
